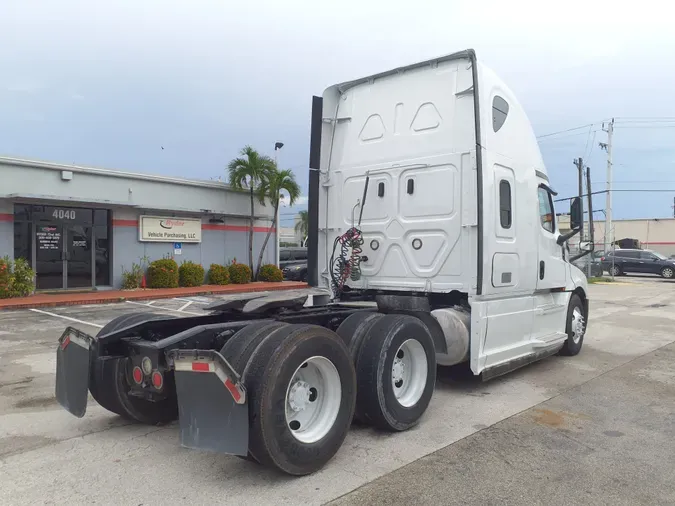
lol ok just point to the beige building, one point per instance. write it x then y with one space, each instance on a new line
656 234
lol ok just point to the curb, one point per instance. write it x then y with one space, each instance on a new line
149 296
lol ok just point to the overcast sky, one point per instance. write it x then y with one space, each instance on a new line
112 83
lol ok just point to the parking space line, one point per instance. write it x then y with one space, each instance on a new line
192 301
151 302
184 306
66 318
164 308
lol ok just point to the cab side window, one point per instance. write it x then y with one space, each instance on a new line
546 210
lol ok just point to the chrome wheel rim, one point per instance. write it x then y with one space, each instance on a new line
313 400
577 325
409 373
667 272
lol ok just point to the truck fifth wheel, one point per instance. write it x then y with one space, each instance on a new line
429 200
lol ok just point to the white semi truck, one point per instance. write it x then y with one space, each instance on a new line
429 199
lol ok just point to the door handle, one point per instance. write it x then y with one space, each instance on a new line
542 268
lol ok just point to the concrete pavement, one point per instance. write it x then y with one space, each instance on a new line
607 441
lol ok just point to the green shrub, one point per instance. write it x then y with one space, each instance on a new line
5 277
163 273
17 279
240 274
190 274
219 275
23 280
270 272
132 279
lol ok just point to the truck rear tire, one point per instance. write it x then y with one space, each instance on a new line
396 373
354 329
108 381
575 327
302 392
238 350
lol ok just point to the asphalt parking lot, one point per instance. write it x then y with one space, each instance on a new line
593 429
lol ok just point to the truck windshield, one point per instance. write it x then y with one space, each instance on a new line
659 255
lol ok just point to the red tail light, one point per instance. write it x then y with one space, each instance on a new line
138 375
157 380
602 259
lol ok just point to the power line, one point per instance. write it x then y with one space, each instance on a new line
599 192
564 131
563 137
644 118
643 127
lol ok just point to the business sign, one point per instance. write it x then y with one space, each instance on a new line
158 229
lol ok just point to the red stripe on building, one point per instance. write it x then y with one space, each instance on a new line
235 228
6 217
205 226
125 223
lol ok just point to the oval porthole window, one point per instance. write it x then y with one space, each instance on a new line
374 244
417 244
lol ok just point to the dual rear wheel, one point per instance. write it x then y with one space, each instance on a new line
302 383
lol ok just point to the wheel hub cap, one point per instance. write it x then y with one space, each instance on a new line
298 397
398 370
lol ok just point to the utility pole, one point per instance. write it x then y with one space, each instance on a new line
608 202
579 162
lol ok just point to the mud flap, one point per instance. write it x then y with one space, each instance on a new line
212 404
72 371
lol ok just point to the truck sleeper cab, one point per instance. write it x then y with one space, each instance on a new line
428 199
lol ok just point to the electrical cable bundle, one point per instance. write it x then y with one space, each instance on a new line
348 263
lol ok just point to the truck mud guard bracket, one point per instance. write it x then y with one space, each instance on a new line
212 402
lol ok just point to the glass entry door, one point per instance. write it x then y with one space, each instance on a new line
49 257
64 256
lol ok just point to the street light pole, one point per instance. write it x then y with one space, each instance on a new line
277 232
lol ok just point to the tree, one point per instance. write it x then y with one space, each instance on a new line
302 226
249 172
273 188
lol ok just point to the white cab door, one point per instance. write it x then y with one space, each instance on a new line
550 302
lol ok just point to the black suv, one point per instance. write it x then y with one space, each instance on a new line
622 261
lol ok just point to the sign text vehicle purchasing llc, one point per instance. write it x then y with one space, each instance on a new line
161 229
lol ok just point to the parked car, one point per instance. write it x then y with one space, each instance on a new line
624 261
292 256
296 272
596 265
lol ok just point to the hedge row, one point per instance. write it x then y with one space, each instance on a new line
166 273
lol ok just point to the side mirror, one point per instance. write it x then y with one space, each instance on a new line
576 215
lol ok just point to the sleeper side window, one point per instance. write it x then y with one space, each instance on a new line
505 216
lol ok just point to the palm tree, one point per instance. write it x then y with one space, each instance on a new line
273 188
248 172
302 226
